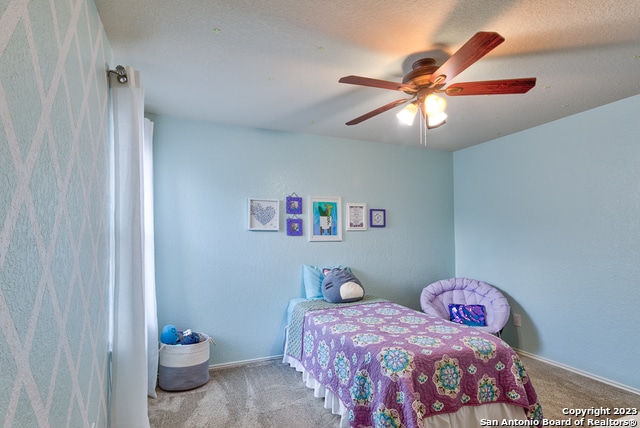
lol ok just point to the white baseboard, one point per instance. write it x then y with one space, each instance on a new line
244 362
580 372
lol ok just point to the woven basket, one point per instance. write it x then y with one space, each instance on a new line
184 367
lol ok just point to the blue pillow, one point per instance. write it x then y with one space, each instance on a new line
467 314
312 277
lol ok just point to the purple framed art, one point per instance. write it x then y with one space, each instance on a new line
294 226
294 205
377 217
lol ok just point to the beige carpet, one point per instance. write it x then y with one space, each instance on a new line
262 395
560 389
271 394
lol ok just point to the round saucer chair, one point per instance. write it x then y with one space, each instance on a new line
435 299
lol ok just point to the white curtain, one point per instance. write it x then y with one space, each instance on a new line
134 324
149 262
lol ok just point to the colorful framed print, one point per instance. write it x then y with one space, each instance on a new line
294 226
294 205
356 217
263 214
325 218
377 217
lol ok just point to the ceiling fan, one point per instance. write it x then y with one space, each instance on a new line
426 80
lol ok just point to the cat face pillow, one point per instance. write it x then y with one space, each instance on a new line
341 286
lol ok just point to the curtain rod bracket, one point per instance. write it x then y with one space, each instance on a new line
121 73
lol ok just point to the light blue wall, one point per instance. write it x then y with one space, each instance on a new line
216 277
552 217
54 222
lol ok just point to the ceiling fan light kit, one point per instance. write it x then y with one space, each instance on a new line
426 79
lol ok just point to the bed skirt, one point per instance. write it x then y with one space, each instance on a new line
469 416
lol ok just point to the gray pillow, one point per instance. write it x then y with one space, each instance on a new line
341 286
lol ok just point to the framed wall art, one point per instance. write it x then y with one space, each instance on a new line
294 226
356 217
294 204
377 217
263 214
325 218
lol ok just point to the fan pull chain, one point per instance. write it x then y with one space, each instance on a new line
423 131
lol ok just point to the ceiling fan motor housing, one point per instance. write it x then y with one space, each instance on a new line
421 74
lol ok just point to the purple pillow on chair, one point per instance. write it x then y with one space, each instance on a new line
467 314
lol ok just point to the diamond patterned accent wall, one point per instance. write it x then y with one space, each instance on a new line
54 214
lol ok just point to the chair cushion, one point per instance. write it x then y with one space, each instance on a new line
436 297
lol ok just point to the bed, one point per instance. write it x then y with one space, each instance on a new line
380 364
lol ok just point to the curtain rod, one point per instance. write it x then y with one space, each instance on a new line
122 74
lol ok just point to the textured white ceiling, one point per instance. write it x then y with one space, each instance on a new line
276 64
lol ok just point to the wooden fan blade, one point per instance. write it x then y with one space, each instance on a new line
476 47
492 87
377 111
376 83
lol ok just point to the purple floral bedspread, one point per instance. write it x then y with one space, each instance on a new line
393 366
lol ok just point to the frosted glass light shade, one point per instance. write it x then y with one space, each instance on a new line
408 114
434 104
435 120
